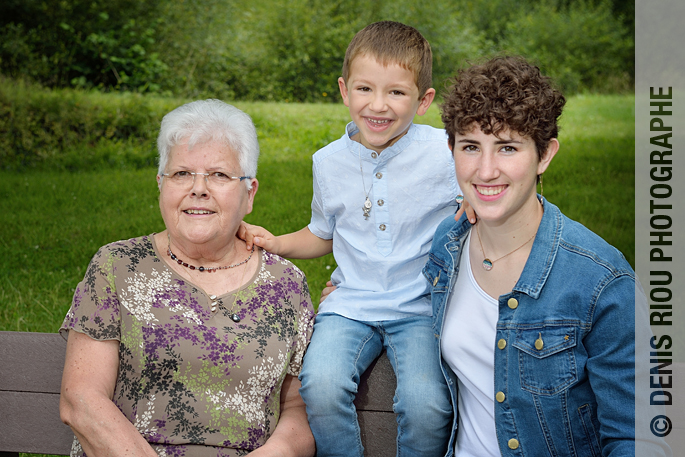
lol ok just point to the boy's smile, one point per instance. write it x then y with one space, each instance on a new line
383 101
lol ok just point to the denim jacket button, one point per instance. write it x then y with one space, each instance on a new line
513 443
502 343
513 303
500 397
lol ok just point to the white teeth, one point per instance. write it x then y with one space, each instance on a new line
490 190
379 121
197 211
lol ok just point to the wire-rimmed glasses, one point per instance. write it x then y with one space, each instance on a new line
184 179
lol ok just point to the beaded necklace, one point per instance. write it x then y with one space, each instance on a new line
201 268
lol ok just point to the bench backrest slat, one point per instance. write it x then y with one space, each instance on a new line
31 367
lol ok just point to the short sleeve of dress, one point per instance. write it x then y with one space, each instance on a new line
95 308
305 326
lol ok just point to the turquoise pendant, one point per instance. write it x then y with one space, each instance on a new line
235 318
487 264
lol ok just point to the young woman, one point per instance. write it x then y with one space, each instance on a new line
535 312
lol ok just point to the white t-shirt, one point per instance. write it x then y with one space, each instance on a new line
467 343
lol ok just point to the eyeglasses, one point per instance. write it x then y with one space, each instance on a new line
216 179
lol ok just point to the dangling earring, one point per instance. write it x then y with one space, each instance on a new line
541 190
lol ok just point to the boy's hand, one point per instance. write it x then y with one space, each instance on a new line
259 236
468 209
326 291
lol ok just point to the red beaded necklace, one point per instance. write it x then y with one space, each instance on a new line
201 268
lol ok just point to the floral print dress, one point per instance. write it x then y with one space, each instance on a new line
193 381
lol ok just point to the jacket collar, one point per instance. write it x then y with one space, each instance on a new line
542 254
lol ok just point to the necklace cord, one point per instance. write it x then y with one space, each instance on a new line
366 208
489 264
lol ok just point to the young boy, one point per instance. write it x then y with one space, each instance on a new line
379 193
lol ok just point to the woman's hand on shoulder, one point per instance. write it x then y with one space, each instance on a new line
259 236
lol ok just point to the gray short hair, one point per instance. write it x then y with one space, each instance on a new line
210 120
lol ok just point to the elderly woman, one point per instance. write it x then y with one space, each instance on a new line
183 342
535 313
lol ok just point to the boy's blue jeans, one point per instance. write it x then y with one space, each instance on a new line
341 350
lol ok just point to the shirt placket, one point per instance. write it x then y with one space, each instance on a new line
381 208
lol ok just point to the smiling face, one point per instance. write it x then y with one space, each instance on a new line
200 214
382 100
498 175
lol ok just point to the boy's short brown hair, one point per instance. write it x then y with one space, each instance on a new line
392 42
503 93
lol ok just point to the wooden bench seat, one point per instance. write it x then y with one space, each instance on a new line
31 367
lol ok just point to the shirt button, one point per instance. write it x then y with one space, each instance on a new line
382 227
374 155
513 303
513 443
499 397
502 343
379 175
380 202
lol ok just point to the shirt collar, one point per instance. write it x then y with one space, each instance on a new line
388 153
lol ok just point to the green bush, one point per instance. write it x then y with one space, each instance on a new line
583 47
293 51
72 129
82 43
299 51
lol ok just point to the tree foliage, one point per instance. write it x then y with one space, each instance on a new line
87 43
582 48
293 51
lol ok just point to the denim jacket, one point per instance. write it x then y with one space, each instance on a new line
572 395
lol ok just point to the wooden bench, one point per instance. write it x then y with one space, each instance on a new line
31 373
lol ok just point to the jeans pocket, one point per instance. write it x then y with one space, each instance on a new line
547 363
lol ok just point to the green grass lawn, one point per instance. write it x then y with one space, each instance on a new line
53 222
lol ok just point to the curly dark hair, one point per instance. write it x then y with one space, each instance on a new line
503 93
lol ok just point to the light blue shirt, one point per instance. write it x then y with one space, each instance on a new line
412 187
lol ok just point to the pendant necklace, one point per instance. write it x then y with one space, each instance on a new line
367 203
489 264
